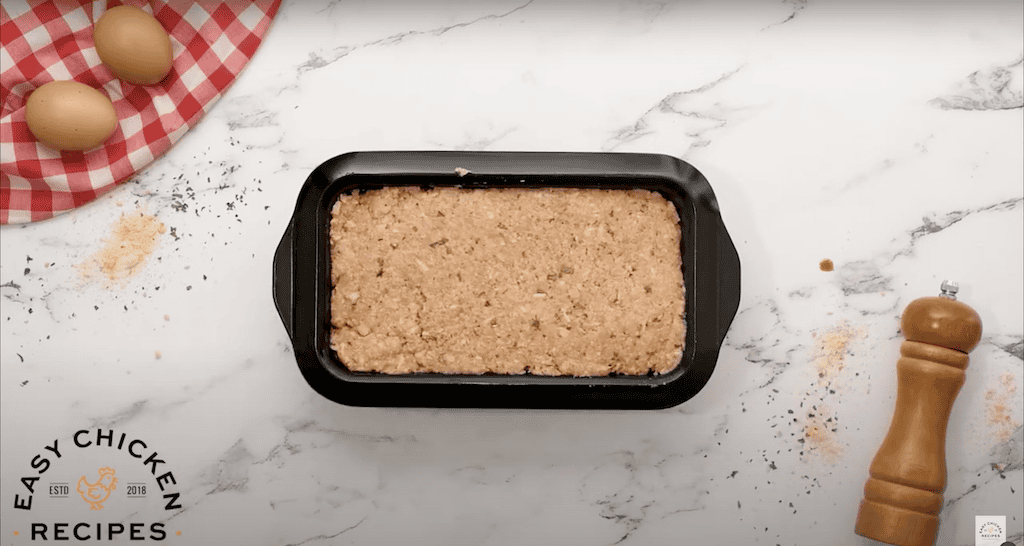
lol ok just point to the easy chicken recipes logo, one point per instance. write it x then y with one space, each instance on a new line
990 530
92 492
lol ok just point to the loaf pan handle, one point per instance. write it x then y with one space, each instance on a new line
283 278
729 283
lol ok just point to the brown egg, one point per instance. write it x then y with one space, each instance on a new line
133 45
69 115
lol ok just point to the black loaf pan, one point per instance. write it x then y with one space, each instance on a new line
302 284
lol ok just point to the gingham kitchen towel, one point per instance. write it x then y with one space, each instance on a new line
43 41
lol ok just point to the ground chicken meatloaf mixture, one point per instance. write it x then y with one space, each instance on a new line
579 282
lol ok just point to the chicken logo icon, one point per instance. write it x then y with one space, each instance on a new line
97 493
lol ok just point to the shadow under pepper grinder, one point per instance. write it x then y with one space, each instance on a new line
903 496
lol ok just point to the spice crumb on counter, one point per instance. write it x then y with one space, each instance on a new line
999 408
125 249
818 424
832 347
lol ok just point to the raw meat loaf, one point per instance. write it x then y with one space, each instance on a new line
579 282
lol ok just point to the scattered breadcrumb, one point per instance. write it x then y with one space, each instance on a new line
158 354
461 172
831 348
125 249
820 423
820 427
167 317
999 407
826 265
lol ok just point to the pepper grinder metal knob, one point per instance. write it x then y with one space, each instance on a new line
903 496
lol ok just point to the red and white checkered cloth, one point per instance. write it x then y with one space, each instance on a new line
43 41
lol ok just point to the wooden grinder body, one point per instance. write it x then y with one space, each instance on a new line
903 496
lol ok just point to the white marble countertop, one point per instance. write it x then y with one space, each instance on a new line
886 138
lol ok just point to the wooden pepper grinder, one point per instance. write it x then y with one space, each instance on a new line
903 496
